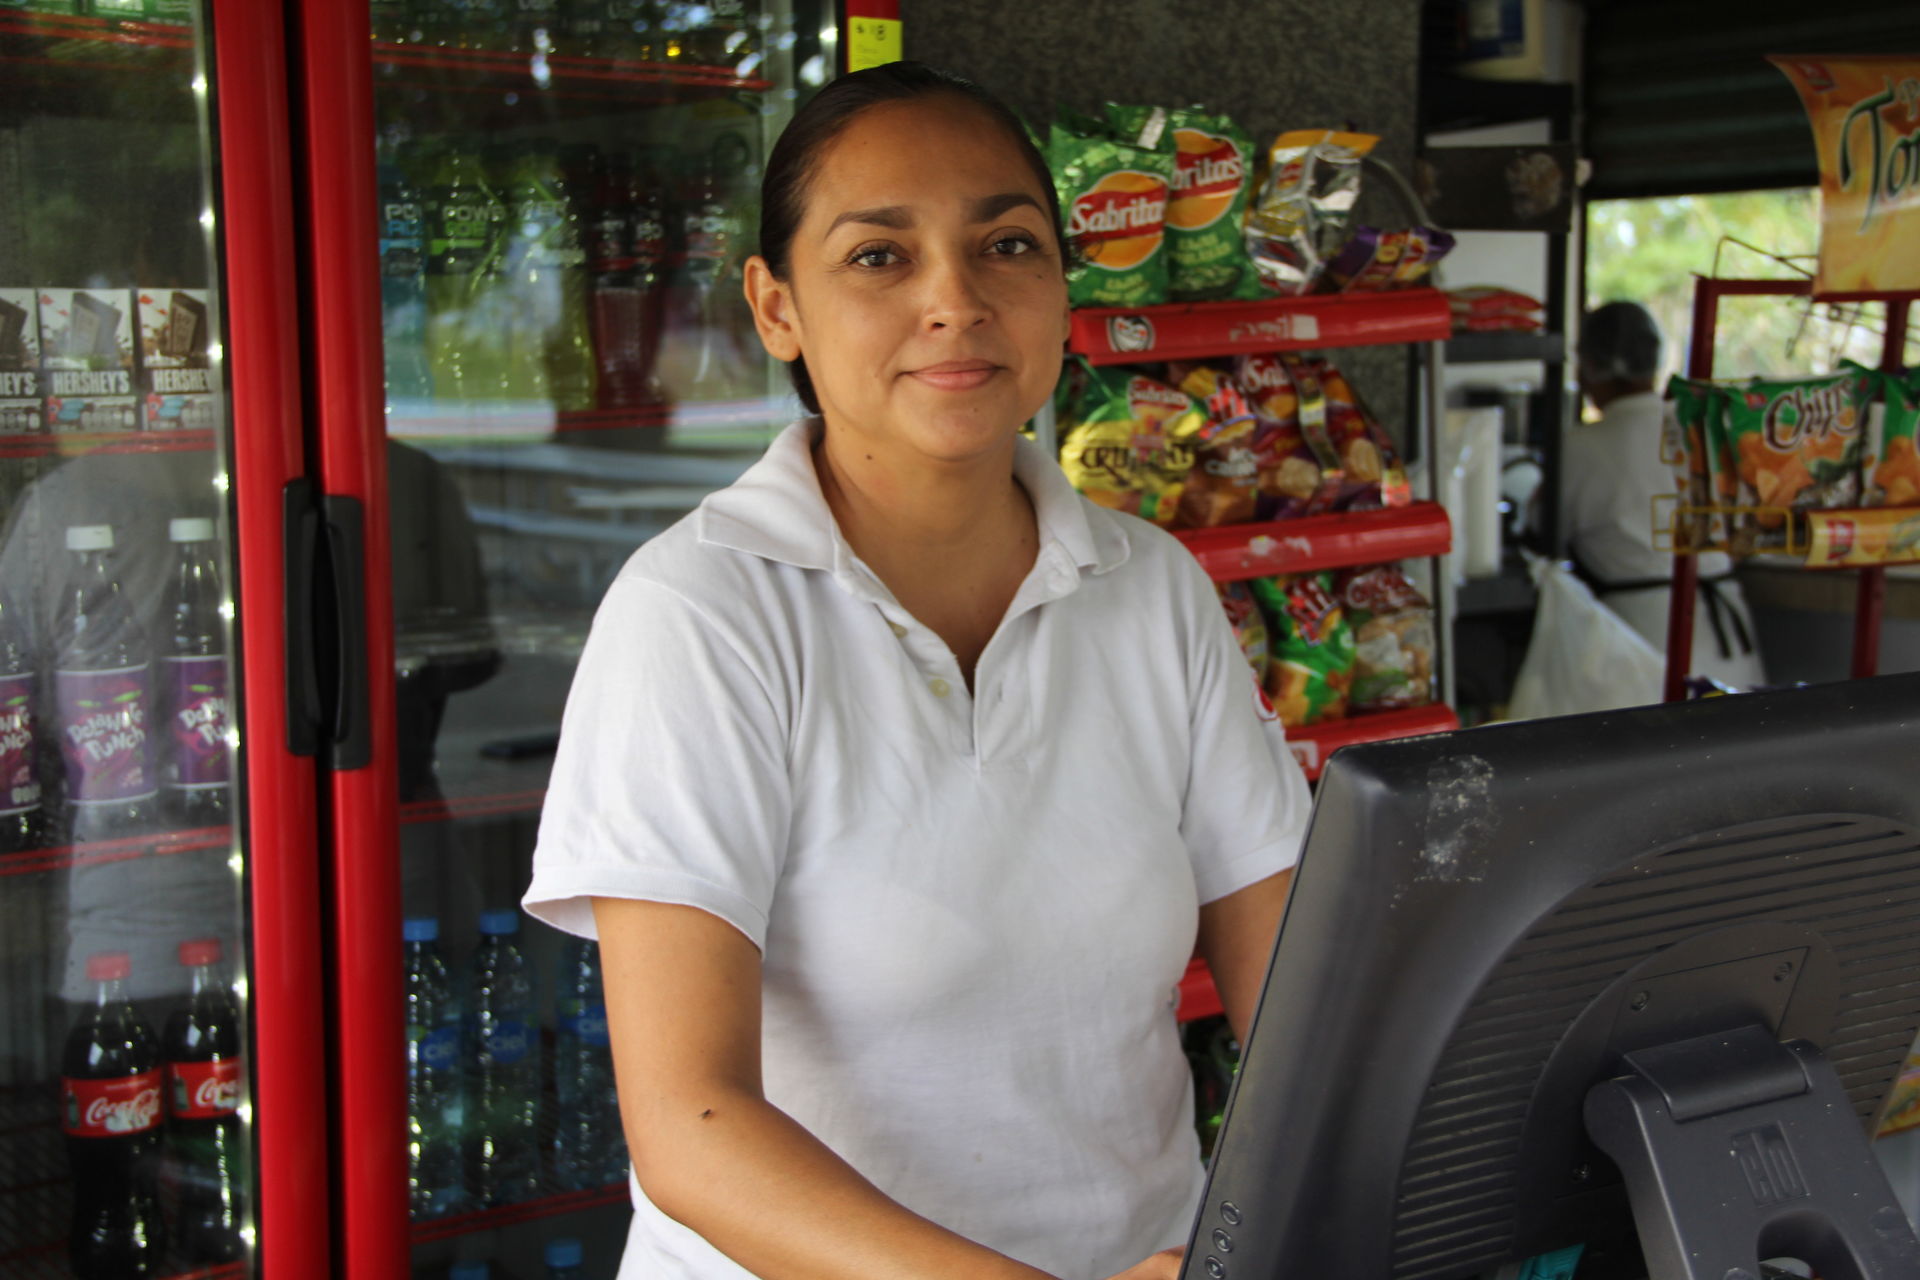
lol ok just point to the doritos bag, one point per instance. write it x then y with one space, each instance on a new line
1128 440
1113 196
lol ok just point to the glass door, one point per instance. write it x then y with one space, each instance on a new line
565 193
128 1078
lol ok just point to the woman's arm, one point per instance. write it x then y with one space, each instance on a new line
683 1008
1236 940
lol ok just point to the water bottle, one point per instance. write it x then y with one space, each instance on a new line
195 771
103 697
547 268
503 1052
588 1150
563 1259
434 1110
403 287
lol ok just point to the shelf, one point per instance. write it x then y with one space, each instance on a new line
1185 331
1494 348
1198 996
454 422
1336 541
556 75
42 444
487 805
1315 743
94 33
157 845
507 1215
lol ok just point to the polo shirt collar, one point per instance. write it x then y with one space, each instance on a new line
775 510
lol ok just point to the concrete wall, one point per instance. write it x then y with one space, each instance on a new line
1285 64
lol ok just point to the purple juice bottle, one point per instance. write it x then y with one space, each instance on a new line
103 699
196 771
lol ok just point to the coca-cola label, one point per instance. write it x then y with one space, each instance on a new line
199 719
205 1090
19 779
103 734
505 1042
435 1048
110 1108
585 1022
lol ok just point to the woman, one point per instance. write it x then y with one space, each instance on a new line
898 781
1612 472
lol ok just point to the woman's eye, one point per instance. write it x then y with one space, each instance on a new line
1013 246
873 256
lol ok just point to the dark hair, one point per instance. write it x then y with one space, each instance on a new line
1621 340
783 189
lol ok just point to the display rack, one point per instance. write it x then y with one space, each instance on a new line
1197 330
428 1230
43 444
157 845
1870 600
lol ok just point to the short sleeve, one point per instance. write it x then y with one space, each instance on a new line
1244 814
671 781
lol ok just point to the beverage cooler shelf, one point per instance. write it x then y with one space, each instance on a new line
1336 541
62 37
1198 330
556 75
155 845
428 1230
493 804
40 444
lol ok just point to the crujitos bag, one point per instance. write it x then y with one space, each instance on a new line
1128 441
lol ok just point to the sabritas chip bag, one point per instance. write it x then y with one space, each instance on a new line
1113 196
1795 446
1223 486
1310 671
1294 478
1206 213
1893 468
1129 440
1686 445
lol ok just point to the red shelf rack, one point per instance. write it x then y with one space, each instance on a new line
563 75
1313 744
1198 996
103 31
39 444
460 1224
1336 541
157 845
1194 330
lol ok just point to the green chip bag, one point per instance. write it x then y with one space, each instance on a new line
1795 446
1693 442
1893 467
1213 159
1128 442
1310 671
1113 198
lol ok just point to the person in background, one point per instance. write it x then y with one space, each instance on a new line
1610 474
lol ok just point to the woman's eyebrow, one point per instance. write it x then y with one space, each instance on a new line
896 216
987 208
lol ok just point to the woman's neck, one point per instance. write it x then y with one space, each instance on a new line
895 504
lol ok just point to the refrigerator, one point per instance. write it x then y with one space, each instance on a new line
347 349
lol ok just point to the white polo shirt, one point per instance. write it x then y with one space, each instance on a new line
972 910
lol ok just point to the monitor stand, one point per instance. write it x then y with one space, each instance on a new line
1736 1147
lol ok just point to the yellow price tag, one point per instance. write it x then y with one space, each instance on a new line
872 42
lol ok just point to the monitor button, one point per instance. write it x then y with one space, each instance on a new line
1222 1241
1215 1268
1230 1213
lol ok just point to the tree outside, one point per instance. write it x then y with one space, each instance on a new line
1648 251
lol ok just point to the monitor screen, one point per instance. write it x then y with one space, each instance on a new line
1487 925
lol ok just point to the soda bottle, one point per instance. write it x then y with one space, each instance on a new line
563 1259
22 805
110 1113
434 1110
403 287
588 1148
710 236
552 346
205 1068
466 350
103 695
504 1053
194 790
617 310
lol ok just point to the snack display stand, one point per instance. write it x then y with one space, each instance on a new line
1809 533
1108 336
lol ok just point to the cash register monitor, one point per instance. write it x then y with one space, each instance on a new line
1638 981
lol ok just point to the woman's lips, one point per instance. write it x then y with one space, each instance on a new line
956 375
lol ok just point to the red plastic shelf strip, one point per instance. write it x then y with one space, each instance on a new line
1185 331
1198 998
122 850
1237 551
1312 745
513 1214
43 444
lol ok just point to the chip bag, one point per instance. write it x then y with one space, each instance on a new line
1893 468
1690 437
1113 196
1291 477
1207 211
1249 628
1371 474
1128 440
1300 218
1311 668
1795 445
1393 638
1223 487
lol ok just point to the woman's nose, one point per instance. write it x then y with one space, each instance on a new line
954 299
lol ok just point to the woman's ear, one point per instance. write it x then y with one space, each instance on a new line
775 317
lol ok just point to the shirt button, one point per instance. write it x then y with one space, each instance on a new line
898 630
940 687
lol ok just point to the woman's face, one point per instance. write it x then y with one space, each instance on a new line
925 286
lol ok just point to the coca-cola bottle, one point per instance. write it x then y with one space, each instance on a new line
205 1070
21 801
616 297
103 697
194 790
110 1112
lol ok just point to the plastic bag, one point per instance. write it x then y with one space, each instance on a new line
1583 656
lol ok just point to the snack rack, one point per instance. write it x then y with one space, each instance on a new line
1871 600
1108 336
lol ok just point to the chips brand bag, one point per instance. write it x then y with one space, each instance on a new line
1893 468
1113 197
1311 669
1223 487
1688 446
1291 478
1249 628
1795 446
1371 474
1129 440
1300 218
1207 211
1393 639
